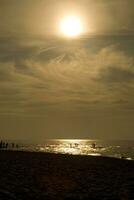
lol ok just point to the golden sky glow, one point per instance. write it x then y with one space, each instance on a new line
66 69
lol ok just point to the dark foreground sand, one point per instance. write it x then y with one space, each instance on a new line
32 176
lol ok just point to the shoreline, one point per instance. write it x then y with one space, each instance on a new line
38 175
67 154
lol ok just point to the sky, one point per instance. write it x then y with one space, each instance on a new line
57 87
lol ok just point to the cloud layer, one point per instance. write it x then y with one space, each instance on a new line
65 75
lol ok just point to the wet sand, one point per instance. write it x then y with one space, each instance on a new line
31 176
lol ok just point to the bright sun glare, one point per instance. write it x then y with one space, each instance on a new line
71 26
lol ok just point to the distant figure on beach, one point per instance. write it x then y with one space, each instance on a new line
93 145
71 146
76 144
13 145
6 145
1 143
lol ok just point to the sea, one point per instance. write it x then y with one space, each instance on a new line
123 149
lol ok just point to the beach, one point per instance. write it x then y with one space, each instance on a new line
34 175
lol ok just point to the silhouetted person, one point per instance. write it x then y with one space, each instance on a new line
71 145
93 145
1 144
76 144
6 145
12 145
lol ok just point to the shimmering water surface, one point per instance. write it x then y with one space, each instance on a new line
116 148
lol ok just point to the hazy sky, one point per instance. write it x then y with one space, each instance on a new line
54 87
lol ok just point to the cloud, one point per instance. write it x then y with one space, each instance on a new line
115 65
115 75
38 79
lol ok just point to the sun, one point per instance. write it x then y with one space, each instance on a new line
71 26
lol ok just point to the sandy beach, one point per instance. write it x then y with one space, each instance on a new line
27 176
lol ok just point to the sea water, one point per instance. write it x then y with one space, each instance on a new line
111 148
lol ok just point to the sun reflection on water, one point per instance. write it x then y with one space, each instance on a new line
111 148
74 147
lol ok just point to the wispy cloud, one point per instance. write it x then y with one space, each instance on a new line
66 75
